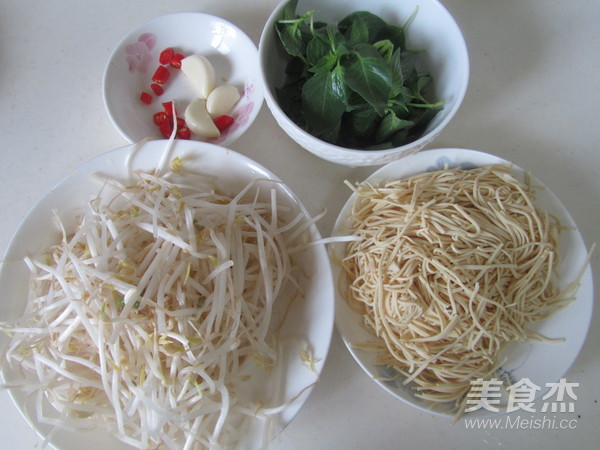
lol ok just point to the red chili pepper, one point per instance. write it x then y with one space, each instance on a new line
160 117
166 128
176 60
146 98
169 108
157 88
223 122
161 75
184 133
166 56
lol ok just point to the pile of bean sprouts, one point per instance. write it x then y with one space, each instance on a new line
149 319
448 267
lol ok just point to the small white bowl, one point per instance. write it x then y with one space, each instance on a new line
130 68
523 360
433 30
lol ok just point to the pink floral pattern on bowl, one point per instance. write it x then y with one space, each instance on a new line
138 54
242 114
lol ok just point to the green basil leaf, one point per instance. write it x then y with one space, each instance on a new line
362 121
389 126
373 22
323 101
325 64
338 85
355 101
289 98
400 108
397 75
337 40
295 69
423 117
371 78
289 10
409 67
385 48
402 137
316 50
318 25
366 51
294 37
331 32
294 32
290 40
357 33
394 34
423 80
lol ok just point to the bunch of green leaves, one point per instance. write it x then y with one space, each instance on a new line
353 83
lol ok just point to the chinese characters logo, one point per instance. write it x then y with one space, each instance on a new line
488 395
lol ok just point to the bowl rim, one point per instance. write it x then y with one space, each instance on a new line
417 143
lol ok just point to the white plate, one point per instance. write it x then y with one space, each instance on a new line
131 65
310 319
528 360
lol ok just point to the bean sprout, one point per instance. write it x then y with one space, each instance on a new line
152 317
446 269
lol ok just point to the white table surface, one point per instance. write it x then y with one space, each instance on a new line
533 98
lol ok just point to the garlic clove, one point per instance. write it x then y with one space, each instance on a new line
221 100
200 73
199 121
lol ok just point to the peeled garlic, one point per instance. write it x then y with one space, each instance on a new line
221 100
199 121
200 73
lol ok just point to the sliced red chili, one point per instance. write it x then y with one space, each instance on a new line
176 60
160 117
166 128
184 133
161 75
157 88
223 122
166 56
169 108
146 98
